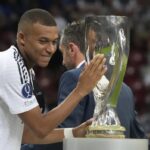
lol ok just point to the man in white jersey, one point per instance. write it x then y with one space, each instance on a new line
21 120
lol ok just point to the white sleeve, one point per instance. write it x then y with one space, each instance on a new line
17 95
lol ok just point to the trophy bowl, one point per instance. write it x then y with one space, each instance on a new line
108 35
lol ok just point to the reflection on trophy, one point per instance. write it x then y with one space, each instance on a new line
108 35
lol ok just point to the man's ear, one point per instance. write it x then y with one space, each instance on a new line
20 38
73 47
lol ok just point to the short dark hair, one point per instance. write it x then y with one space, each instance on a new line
36 15
75 32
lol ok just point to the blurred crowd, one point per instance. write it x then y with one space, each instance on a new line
138 70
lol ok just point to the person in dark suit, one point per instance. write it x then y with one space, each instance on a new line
72 48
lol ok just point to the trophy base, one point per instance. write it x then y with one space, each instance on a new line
104 144
106 131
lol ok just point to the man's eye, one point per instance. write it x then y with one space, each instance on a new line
55 42
43 41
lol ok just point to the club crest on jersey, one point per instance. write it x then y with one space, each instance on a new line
27 90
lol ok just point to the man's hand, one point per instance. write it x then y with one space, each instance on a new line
91 75
80 131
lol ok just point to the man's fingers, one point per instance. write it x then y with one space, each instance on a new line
91 74
97 67
89 122
97 60
102 68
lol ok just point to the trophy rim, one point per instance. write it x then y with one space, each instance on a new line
104 16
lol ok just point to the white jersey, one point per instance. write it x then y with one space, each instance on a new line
16 96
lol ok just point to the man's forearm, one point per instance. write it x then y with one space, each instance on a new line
54 136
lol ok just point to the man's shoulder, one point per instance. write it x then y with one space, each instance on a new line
73 72
125 87
126 93
7 59
13 64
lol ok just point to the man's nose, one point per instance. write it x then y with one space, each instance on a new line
51 48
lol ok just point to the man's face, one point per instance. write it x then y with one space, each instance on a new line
40 43
67 57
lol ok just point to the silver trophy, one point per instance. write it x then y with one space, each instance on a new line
108 35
